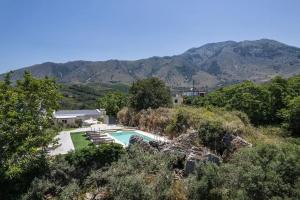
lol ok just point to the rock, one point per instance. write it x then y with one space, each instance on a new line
135 139
210 157
157 144
239 142
187 150
189 167
89 196
233 143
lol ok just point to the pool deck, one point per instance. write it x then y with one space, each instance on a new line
153 136
65 144
149 135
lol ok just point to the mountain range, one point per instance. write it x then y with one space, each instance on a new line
211 65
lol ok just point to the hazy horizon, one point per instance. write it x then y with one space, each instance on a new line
34 32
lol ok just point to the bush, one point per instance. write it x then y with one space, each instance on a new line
175 121
263 172
78 123
179 124
127 117
93 156
140 175
211 135
154 120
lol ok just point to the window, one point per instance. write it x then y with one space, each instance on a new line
64 121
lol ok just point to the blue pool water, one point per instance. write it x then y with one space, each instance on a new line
124 136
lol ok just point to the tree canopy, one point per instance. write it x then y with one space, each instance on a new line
149 93
113 102
26 110
263 103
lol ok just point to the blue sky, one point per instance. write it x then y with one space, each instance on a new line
36 31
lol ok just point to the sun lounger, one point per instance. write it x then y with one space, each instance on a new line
103 142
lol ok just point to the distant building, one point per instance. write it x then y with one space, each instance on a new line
177 99
194 93
74 117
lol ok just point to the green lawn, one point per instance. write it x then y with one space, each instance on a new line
79 140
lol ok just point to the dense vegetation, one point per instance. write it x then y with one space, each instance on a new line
262 172
268 170
270 103
143 94
25 130
65 177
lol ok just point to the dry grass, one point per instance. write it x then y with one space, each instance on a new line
163 120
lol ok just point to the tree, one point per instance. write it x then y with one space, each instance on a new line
149 93
292 116
26 111
278 89
294 86
247 97
252 99
113 102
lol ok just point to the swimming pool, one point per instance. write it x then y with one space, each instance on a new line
124 136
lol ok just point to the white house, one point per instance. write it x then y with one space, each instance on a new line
75 117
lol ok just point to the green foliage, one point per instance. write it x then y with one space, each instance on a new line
98 156
26 111
139 175
294 86
175 121
292 116
263 172
149 93
179 124
112 102
278 89
65 176
211 134
263 103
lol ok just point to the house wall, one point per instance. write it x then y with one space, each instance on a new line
71 121
66 122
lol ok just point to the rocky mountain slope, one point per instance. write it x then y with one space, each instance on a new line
211 65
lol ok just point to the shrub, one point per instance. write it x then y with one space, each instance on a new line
175 121
154 120
141 175
179 124
263 172
127 117
78 122
211 135
95 156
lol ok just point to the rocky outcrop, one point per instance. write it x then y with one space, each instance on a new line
232 143
137 140
184 148
188 151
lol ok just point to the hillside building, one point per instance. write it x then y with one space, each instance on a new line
73 118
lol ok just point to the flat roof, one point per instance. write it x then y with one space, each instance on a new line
75 113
